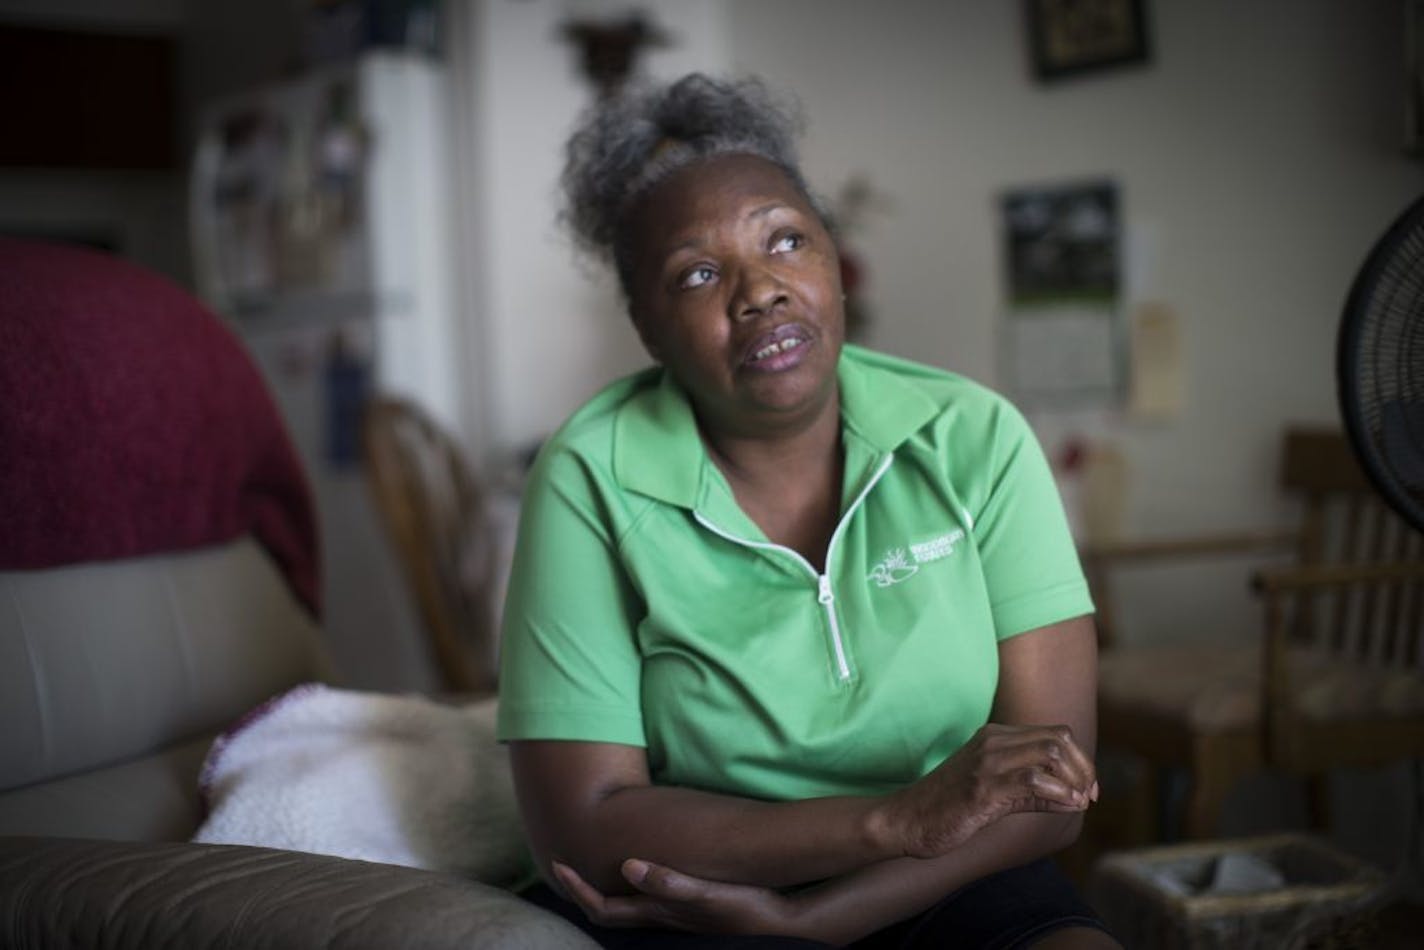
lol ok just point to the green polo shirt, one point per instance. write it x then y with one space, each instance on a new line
646 608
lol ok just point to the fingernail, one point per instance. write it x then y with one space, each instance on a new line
636 871
1093 792
559 868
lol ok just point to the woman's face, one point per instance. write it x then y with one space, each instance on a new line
736 290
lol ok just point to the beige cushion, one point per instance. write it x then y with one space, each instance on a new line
110 662
1217 687
151 798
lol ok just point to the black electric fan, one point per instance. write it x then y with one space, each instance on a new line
1379 373
1380 365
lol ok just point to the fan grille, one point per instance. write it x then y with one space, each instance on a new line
1381 367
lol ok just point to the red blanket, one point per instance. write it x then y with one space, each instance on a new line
133 422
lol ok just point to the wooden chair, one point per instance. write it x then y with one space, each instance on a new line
1331 679
434 510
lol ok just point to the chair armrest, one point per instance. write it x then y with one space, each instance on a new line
1156 549
1271 581
83 892
1100 558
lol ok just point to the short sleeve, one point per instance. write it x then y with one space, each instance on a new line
1029 559
569 665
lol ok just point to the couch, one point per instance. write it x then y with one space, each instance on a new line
158 580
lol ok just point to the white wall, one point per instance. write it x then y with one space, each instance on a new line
1258 157
550 329
1259 151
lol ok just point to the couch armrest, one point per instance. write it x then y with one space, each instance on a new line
82 892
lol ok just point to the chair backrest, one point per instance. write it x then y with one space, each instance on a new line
1345 524
434 509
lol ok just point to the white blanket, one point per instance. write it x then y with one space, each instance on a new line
395 779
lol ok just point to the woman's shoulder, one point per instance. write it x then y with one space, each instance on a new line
580 456
958 401
589 427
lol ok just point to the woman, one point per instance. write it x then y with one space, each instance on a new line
796 643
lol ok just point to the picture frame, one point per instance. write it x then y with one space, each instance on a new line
1062 339
1074 37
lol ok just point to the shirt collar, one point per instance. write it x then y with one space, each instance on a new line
882 406
657 450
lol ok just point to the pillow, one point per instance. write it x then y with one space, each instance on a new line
395 779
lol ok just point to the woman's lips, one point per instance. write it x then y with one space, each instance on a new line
781 349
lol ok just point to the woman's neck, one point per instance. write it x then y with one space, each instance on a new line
788 484
779 455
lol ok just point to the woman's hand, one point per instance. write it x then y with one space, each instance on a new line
675 901
1001 770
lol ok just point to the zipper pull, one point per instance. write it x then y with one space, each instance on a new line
824 595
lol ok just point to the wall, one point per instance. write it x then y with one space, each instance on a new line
1257 155
1257 158
551 328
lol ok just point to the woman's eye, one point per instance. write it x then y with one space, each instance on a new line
696 277
787 242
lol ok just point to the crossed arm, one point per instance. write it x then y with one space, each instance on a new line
634 853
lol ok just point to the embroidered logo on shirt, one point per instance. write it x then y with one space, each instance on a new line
893 568
896 565
936 548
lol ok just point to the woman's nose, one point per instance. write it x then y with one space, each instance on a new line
758 292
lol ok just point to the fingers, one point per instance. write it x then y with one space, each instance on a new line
1030 768
1003 769
660 889
1049 749
658 881
1040 790
580 891
606 911
1083 766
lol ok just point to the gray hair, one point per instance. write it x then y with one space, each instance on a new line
628 144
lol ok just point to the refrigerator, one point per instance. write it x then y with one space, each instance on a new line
321 230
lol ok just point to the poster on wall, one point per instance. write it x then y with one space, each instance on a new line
1063 333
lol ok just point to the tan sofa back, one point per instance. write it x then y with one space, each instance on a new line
115 676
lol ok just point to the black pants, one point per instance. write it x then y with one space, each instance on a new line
1003 911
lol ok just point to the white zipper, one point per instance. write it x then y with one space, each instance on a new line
824 595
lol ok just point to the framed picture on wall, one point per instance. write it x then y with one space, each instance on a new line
1063 333
1072 37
